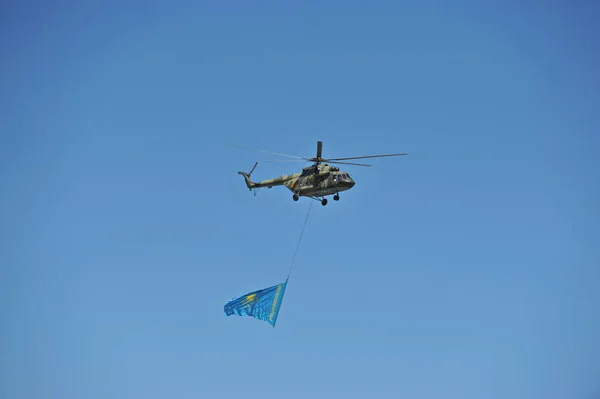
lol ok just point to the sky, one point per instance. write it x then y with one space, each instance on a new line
468 269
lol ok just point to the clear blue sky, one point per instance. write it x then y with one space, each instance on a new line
468 269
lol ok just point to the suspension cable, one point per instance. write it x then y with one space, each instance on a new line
300 239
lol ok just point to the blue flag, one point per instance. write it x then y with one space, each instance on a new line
262 304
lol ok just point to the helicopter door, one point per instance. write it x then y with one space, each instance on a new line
302 183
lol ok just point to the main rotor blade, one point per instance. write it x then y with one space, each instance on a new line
350 163
326 161
368 156
286 160
319 149
267 152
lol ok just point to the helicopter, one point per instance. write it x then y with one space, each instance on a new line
316 181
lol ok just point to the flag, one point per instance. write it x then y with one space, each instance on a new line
262 304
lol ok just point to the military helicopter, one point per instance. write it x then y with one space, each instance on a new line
315 181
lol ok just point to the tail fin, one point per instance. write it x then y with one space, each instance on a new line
249 183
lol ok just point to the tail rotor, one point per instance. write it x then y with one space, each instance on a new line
249 182
252 170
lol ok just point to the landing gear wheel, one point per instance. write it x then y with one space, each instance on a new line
336 197
324 201
295 197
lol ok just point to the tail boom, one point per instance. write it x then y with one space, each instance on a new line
278 181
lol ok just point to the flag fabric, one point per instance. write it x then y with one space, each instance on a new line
262 304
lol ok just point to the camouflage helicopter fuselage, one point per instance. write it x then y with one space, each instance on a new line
315 181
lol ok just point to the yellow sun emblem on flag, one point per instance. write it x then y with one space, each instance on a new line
250 298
